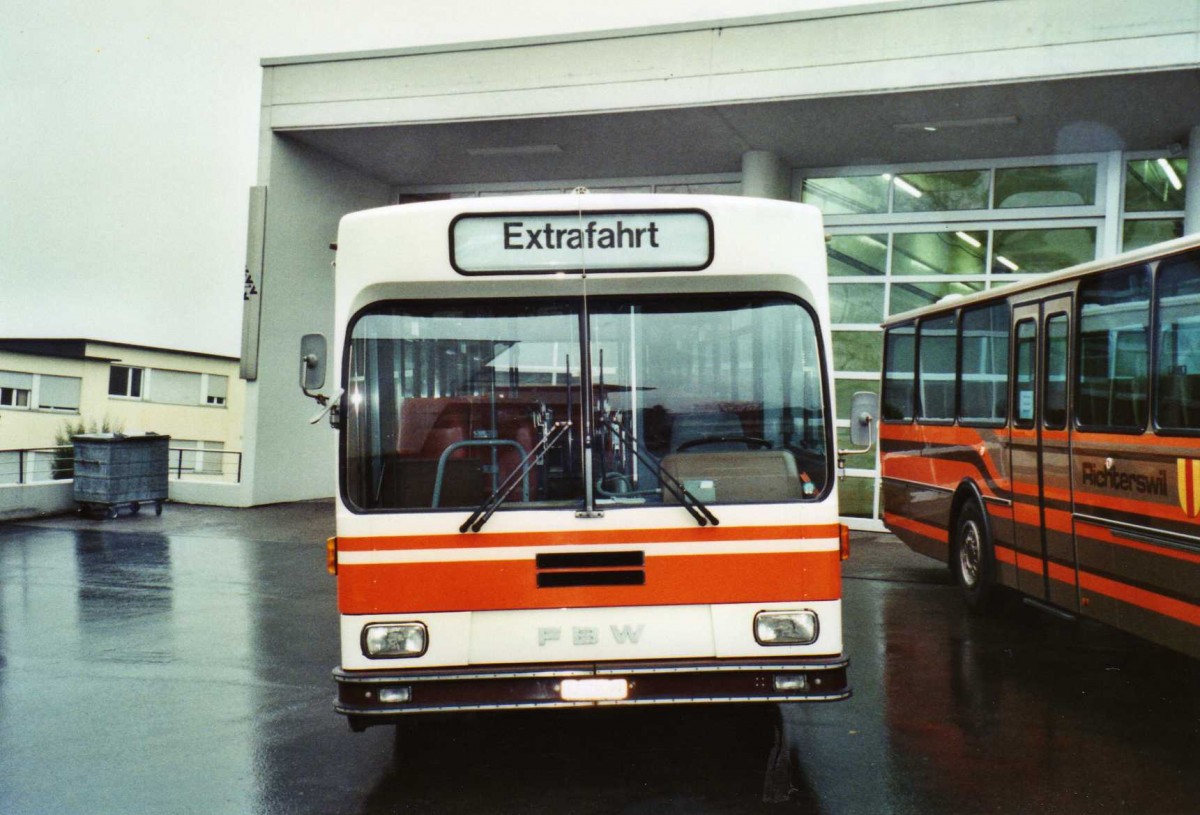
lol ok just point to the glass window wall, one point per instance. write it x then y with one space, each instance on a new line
906 296
857 255
848 195
857 351
1155 184
941 192
1070 185
856 303
958 253
1136 234
1031 251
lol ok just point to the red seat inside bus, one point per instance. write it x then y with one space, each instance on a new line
430 426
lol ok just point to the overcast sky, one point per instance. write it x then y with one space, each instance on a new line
130 137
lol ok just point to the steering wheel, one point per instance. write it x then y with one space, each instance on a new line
754 441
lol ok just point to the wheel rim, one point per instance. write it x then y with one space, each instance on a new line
969 553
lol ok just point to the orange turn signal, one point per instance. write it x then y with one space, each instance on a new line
845 542
331 555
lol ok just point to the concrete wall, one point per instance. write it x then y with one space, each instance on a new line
210 493
307 194
36 500
882 49
24 501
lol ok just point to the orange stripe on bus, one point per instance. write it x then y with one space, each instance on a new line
590 537
1142 598
925 530
946 474
1060 520
940 434
1030 489
1105 535
1128 505
1031 564
1061 573
472 586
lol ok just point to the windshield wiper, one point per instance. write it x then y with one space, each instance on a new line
673 485
490 504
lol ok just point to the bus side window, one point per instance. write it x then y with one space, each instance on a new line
1114 356
938 360
1054 373
899 373
983 389
1178 370
1026 354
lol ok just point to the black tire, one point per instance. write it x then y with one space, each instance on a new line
135 508
972 559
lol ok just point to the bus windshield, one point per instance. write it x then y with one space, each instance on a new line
446 400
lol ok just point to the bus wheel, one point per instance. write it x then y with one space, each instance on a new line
972 559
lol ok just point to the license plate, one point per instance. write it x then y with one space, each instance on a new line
594 690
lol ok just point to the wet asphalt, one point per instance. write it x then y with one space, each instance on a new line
181 664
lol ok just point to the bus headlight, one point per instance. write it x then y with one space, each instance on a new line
391 640
786 627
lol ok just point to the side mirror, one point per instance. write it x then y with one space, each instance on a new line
312 362
864 413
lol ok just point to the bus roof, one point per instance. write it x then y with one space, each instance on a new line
461 239
1143 255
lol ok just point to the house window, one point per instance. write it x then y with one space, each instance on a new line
14 397
173 387
15 388
216 388
58 392
125 381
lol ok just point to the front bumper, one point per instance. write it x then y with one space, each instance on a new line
498 687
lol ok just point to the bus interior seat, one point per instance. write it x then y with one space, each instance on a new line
430 425
418 416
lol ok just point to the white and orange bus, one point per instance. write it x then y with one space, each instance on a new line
585 453
1045 437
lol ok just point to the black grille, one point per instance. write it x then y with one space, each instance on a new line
574 569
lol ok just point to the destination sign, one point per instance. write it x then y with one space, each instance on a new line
544 243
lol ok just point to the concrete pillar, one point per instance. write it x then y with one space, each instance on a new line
765 175
1191 212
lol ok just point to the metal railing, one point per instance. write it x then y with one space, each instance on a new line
40 465
37 465
206 465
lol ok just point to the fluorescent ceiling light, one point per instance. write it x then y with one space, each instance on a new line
515 150
908 188
1172 176
965 238
946 124
1012 266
